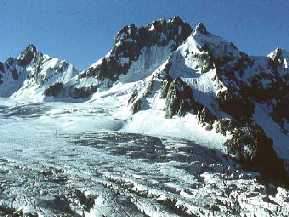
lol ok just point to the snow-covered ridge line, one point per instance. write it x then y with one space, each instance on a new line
136 52
31 73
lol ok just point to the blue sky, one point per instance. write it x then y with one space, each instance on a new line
82 31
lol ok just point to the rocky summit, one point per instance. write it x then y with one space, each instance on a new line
207 112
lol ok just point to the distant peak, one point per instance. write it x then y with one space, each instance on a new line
176 20
28 54
31 47
201 28
276 55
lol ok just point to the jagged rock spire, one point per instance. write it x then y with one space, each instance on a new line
201 28
28 54
150 34
277 55
176 20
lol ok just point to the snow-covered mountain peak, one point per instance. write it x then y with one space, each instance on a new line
279 57
200 28
28 54
277 53
158 32
32 72
213 44
136 53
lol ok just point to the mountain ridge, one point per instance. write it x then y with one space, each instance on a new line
167 66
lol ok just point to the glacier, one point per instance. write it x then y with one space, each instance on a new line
76 159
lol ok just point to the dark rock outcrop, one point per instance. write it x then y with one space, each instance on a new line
276 60
136 105
27 55
180 101
179 97
2 67
15 75
238 107
201 28
250 145
60 90
82 92
55 90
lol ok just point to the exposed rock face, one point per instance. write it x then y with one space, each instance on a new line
280 109
28 55
54 90
136 105
179 97
2 67
130 41
276 59
237 106
1 71
59 90
135 102
250 145
201 29
82 92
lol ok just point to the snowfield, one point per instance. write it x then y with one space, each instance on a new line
79 159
